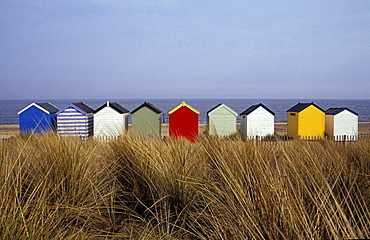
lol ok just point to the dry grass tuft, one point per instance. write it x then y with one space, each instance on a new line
131 188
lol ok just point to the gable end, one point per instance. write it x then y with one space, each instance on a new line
48 108
301 106
254 107
148 105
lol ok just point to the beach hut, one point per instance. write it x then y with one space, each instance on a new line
221 120
257 121
76 119
146 120
37 118
341 124
110 120
306 120
183 122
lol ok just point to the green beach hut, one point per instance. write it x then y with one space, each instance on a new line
146 120
221 120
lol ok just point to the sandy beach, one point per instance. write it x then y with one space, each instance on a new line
9 130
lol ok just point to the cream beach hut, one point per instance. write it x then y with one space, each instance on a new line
257 121
341 124
110 120
221 120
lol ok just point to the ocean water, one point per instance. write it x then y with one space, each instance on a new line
9 108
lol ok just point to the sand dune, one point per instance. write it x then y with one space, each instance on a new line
8 130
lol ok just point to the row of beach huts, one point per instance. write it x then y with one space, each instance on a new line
304 120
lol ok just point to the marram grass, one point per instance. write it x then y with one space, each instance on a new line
132 188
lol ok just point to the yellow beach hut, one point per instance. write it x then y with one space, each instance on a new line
306 120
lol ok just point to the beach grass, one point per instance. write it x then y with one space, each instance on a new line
131 188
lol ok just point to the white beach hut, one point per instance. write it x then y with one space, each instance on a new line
110 120
341 124
257 121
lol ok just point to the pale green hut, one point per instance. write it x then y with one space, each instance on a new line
221 120
146 120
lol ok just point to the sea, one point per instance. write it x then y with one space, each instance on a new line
9 108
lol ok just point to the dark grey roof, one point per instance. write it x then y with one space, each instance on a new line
300 106
148 105
48 107
254 107
116 106
335 111
83 107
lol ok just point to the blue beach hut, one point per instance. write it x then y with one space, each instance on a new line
37 118
76 119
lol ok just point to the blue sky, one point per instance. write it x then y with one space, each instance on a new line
184 49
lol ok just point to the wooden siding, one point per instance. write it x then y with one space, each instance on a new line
308 123
222 121
184 123
311 122
259 123
108 122
292 124
343 125
329 125
146 123
36 121
70 122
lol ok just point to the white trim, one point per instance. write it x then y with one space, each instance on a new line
36 105
223 106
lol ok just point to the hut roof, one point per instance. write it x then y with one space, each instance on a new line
301 106
83 107
223 105
46 107
116 106
335 111
79 106
148 105
183 104
254 107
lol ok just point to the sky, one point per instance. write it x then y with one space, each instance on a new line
137 49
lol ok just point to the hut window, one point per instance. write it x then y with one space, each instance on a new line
292 114
243 116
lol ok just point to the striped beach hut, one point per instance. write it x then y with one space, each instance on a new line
183 122
110 120
257 121
341 124
146 120
221 120
76 119
37 118
306 120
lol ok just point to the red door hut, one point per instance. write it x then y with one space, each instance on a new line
183 122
